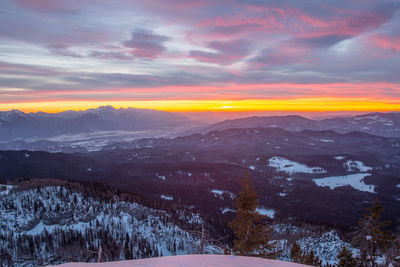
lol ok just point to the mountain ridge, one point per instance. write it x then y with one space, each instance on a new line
376 123
17 124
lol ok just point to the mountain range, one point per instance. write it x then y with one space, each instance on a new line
17 124
378 123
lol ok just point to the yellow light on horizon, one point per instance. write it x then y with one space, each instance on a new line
298 105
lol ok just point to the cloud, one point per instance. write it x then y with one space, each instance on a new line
63 50
57 47
227 52
146 44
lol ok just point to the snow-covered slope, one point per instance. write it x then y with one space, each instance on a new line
49 224
193 261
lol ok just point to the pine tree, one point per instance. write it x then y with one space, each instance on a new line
128 252
311 259
296 253
252 237
346 259
370 235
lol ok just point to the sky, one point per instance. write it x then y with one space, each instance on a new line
184 55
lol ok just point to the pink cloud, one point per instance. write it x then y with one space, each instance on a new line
292 21
386 42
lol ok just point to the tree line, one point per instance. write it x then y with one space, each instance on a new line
372 236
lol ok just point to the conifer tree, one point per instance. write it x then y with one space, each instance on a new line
346 259
311 259
370 235
252 237
296 253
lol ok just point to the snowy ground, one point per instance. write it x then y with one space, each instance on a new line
267 212
354 165
222 193
354 180
193 261
291 167
5 189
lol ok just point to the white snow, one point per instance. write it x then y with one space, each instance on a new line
327 140
27 155
398 186
354 180
282 194
167 197
225 210
267 212
326 246
291 167
339 157
252 167
39 228
193 261
162 177
220 193
354 165
5 189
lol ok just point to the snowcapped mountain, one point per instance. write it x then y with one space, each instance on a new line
381 124
7 116
17 124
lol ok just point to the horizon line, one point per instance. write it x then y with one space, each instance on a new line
316 105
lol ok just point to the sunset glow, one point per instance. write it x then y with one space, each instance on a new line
200 56
298 105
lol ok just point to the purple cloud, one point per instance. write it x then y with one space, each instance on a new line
146 44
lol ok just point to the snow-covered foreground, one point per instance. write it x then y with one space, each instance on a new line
354 180
193 261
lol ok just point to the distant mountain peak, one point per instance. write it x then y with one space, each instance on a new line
106 107
12 115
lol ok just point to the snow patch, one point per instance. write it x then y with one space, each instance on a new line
225 210
162 177
327 140
167 197
5 189
356 165
38 229
339 157
354 180
291 167
220 193
267 212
